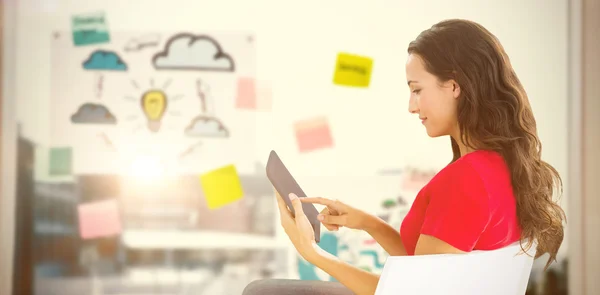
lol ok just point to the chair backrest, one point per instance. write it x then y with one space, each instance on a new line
499 272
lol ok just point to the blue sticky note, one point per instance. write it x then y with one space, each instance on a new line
90 28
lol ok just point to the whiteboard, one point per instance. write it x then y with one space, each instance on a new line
164 96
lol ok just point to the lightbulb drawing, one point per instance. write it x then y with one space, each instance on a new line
154 105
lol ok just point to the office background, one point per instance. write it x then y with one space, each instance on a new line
169 239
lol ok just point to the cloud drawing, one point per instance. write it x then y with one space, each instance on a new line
104 60
191 52
203 126
91 113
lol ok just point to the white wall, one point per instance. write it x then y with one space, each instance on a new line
297 45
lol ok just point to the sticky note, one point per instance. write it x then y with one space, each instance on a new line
99 219
61 161
221 187
252 95
352 70
313 134
89 28
246 94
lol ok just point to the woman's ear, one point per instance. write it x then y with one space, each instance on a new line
455 89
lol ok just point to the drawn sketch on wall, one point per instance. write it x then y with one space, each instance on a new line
104 60
166 98
93 113
186 51
107 142
153 102
142 42
205 125
99 86
190 150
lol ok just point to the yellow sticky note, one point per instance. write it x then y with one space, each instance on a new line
352 70
221 187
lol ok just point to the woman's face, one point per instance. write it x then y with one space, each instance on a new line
435 103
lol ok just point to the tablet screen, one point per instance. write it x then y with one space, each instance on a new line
284 183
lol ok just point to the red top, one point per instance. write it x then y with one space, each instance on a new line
469 205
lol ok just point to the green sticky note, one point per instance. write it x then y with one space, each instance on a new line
221 187
61 161
90 28
352 70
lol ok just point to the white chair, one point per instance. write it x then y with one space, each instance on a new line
499 272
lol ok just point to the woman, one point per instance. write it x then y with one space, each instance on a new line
496 191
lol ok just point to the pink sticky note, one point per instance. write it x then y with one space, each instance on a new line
252 95
313 134
246 94
99 219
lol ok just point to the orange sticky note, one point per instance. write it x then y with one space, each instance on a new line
313 134
221 187
99 219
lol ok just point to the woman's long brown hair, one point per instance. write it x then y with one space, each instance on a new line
494 114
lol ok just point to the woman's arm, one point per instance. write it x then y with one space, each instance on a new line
359 281
338 214
385 235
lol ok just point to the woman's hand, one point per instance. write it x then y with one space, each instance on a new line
297 227
338 214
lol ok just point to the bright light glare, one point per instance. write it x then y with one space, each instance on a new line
147 167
